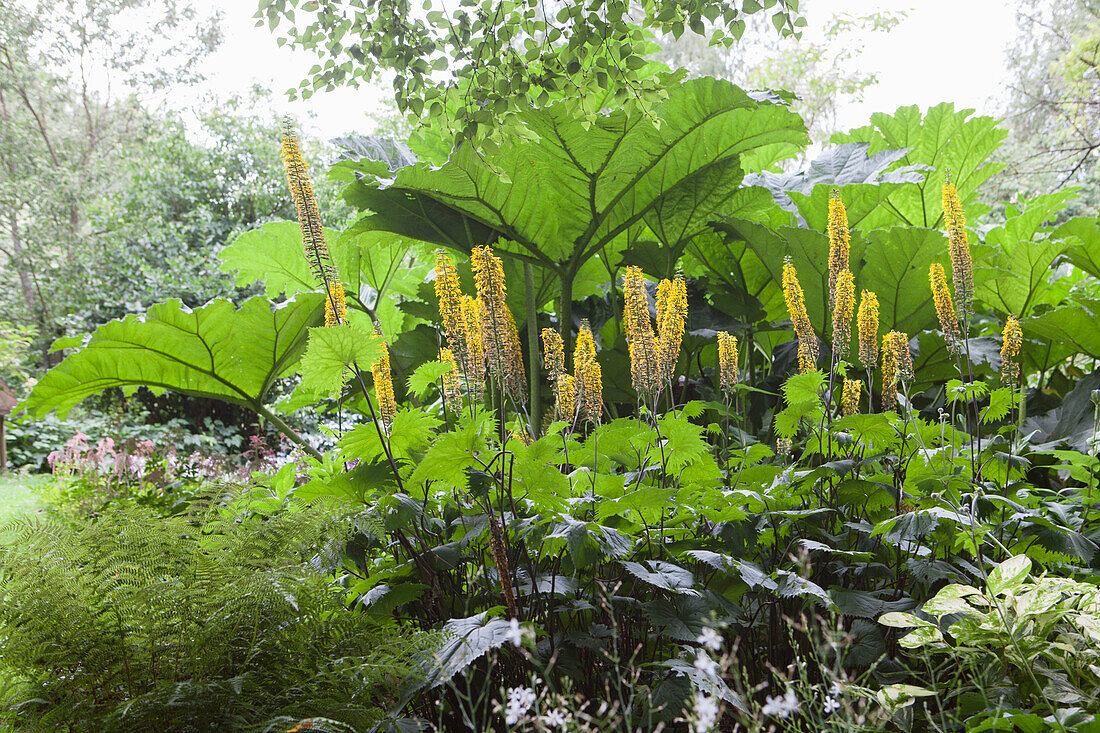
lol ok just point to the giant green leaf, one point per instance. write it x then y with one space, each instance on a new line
943 139
1072 324
374 266
217 351
864 179
573 188
1084 235
273 255
1024 257
809 253
895 265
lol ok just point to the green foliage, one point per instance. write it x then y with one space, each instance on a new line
1033 638
215 351
500 60
221 619
630 531
331 354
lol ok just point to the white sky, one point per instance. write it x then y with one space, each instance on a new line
946 50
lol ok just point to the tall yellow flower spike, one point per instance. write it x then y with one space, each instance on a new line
796 307
727 361
897 364
1011 339
452 388
313 232
588 375
849 396
672 307
867 318
554 360
553 350
383 384
645 372
474 366
449 293
962 269
945 307
844 298
839 239
498 328
565 392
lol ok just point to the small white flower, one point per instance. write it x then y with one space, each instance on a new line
836 689
704 713
705 664
514 633
520 700
556 718
781 707
831 704
710 638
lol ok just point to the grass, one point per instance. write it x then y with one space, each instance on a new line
18 495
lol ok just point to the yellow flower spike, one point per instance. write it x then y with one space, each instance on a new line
945 307
498 328
553 353
796 306
839 239
962 269
727 361
897 364
565 392
474 367
783 446
645 372
383 383
448 291
336 307
844 297
671 318
588 375
517 375
1011 339
867 319
313 232
849 396
452 388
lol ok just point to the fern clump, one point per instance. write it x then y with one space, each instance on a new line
219 620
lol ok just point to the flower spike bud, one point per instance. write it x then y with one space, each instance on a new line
452 389
565 397
313 232
588 375
796 306
962 269
867 318
553 349
849 396
1011 339
383 383
501 339
897 364
839 239
672 306
474 345
844 297
449 294
645 371
727 361
945 307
